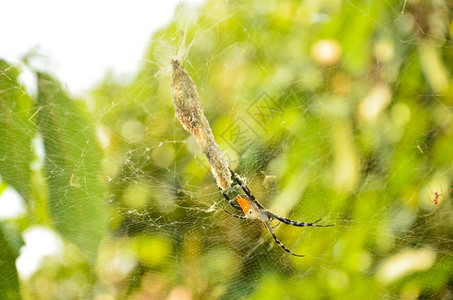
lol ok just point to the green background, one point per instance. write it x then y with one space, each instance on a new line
332 109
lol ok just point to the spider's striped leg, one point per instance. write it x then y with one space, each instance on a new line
278 242
230 201
296 223
236 216
243 186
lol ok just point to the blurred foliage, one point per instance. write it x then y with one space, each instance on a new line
9 285
345 107
73 161
16 133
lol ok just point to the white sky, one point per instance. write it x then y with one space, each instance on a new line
81 40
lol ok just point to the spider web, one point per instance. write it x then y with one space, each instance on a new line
333 110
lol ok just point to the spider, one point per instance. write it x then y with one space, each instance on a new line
254 210
439 196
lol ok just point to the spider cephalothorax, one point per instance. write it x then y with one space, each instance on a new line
254 210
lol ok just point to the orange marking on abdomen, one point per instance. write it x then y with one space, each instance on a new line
245 204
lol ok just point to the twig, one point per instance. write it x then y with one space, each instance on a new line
189 112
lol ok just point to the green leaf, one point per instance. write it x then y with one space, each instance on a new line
9 283
73 168
16 131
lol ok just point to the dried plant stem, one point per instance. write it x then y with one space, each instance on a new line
190 113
